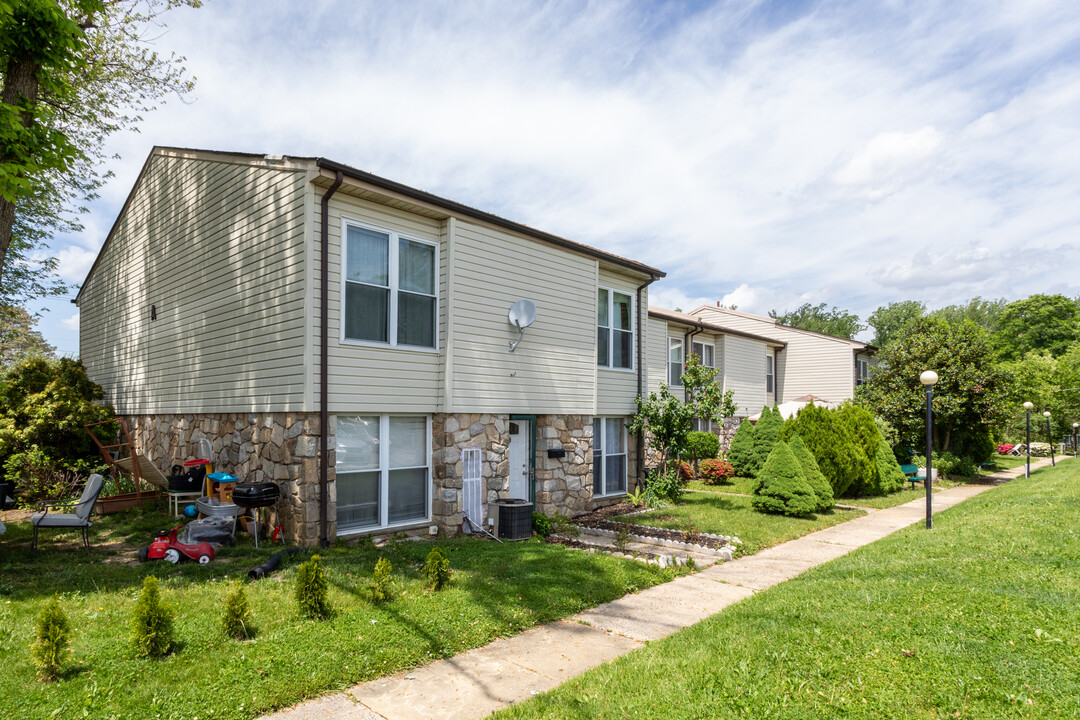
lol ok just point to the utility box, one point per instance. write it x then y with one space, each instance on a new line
514 519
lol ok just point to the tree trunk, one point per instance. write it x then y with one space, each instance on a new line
20 90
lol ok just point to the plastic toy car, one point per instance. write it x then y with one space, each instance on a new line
166 547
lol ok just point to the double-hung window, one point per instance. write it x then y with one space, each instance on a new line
770 374
609 456
862 371
675 361
706 354
383 471
389 288
614 330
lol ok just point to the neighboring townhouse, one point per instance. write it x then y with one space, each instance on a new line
809 363
741 358
347 337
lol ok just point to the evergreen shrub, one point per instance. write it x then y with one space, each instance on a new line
821 487
152 626
830 441
381 583
312 589
52 641
437 569
766 433
236 619
716 472
782 487
741 452
867 437
888 477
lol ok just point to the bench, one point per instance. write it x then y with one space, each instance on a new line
910 471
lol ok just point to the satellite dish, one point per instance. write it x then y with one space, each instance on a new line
522 314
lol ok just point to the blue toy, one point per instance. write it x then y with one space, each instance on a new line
191 511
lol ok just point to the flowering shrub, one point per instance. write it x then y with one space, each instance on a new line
715 472
1004 448
684 470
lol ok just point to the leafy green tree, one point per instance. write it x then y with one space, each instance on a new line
888 319
741 452
969 399
782 487
814 477
1040 323
984 313
1050 383
19 337
818 318
832 443
766 431
74 72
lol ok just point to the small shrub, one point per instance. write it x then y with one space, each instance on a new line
563 527
888 477
948 464
1004 448
312 589
702 445
716 472
381 582
622 538
152 627
766 433
782 487
437 569
821 487
236 619
682 470
541 524
663 489
741 452
52 642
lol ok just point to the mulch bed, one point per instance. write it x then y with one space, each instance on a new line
598 519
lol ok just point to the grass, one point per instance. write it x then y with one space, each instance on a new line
732 515
495 591
976 619
738 485
743 486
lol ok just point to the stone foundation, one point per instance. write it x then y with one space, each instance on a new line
564 485
255 447
451 433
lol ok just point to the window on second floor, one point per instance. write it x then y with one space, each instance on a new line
614 330
770 374
705 352
389 293
675 361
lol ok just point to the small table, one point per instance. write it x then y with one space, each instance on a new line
176 499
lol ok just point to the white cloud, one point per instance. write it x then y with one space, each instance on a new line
72 322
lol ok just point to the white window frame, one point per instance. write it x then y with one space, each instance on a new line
682 362
862 371
393 279
701 356
604 456
612 330
770 374
384 476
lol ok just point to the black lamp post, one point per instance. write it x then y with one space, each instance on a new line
1027 467
929 378
1049 437
1075 426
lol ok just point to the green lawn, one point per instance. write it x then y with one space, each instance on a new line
732 515
738 485
976 619
1003 462
742 486
496 591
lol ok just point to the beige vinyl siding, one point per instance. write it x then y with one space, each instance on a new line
553 370
656 353
373 377
616 390
744 372
812 364
218 249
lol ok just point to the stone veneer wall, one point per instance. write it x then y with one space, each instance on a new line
255 447
450 434
724 432
564 485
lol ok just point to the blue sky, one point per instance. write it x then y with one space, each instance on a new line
764 154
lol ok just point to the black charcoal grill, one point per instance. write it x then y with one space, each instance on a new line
255 495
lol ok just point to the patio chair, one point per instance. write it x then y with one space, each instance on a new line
80 518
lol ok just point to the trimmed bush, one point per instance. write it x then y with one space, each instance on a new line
682 470
837 455
702 446
867 437
52 641
236 619
312 589
782 487
888 477
716 472
821 487
437 569
152 626
381 584
766 433
741 452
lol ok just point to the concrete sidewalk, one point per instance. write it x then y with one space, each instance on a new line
481 681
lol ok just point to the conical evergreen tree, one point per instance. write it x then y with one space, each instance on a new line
814 477
782 486
831 443
888 477
741 452
766 433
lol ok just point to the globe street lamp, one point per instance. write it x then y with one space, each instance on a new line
1049 437
929 378
1027 466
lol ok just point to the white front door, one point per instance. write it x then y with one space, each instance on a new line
518 453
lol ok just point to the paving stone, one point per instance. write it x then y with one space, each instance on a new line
334 707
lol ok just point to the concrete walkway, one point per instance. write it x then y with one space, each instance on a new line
481 681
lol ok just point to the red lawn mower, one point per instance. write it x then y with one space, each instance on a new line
166 547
